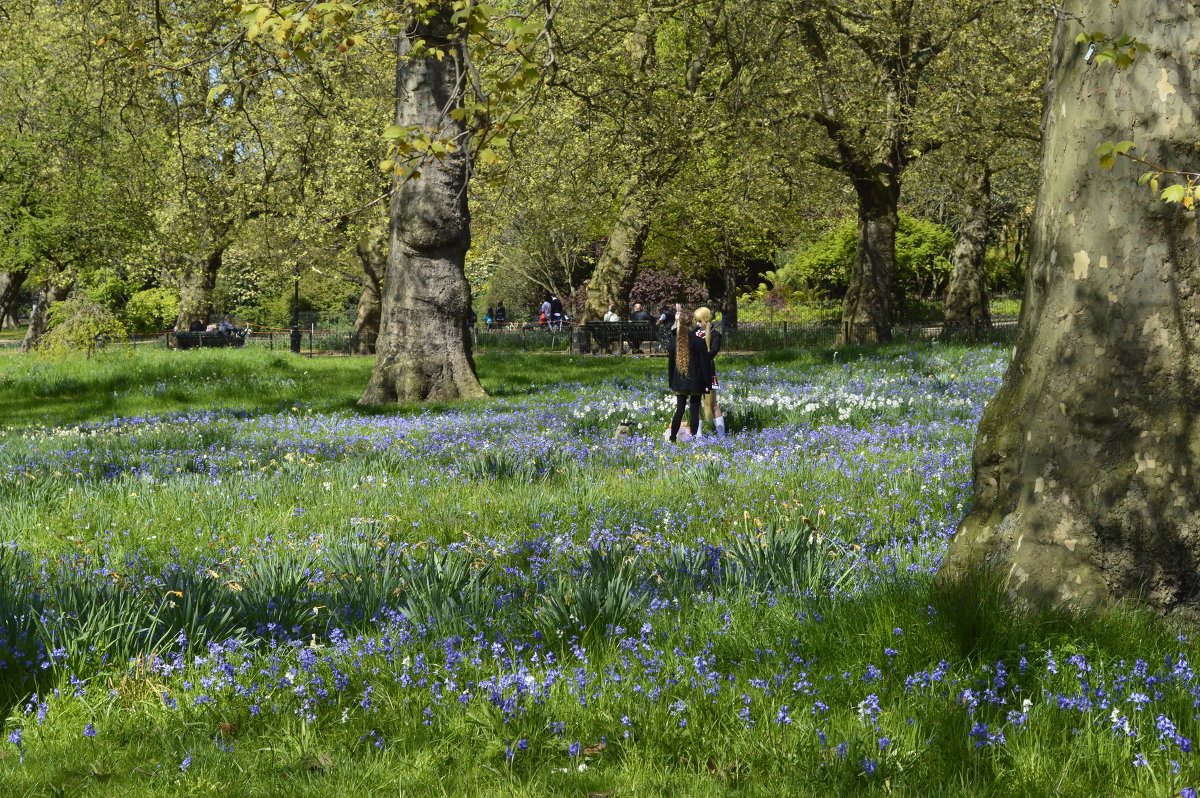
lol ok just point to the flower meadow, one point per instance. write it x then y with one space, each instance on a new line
504 597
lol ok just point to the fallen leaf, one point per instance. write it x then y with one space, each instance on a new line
599 794
227 730
322 761
712 765
592 750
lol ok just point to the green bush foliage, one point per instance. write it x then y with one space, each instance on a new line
80 325
922 259
152 310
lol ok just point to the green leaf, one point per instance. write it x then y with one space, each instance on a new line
1144 179
1105 148
1124 147
1174 193
216 91
395 132
1107 161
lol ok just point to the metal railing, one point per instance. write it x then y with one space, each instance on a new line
754 336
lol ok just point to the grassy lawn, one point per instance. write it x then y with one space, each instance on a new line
221 576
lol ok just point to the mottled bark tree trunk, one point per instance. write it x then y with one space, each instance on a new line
618 266
196 287
967 297
424 350
39 320
1085 468
729 304
372 254
10 290
867 307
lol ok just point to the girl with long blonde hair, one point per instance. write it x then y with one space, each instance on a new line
712 344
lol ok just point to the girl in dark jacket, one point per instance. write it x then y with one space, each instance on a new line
689 369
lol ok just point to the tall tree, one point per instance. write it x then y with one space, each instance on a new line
423 349
874 81
1085 478
652 77
966 296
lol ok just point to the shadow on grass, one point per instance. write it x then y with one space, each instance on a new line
986 625
39 392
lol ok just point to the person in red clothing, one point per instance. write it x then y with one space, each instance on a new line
689 373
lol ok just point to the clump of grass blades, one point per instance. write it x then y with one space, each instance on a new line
445 590
797 560
607 593
19 603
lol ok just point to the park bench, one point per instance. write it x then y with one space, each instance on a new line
601 336
207 340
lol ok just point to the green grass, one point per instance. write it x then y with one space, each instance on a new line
804 647
43 391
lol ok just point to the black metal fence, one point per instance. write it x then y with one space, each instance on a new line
755 336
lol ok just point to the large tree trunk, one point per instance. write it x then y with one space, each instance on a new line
196 288
39 320
1086 466
617 268
967 297
867 308
424 349
372 254
729 303
10 290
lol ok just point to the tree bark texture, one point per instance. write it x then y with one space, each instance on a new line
967 297
10 290
617 268
424 350
373 257
729 303
39 320
196 288
1085 467
867 307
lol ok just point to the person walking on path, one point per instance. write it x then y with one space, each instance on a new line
501 314
546 311
689 374
712 336
556 313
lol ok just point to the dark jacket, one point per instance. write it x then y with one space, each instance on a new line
641 315
556 308
700 372
715 336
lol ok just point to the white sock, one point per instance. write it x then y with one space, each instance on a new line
720 422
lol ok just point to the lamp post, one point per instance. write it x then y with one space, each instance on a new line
296 336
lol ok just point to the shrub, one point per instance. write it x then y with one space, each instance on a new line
655 287
152 310
922 259
80 325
